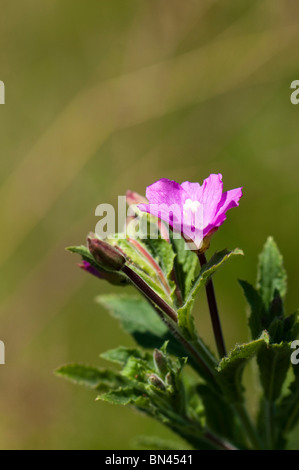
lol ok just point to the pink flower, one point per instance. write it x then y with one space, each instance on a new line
194 210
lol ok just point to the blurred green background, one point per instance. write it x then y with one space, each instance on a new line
102 96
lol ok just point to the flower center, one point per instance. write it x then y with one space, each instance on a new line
192 206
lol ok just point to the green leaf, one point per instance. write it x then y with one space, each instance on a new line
152 260
91 377
218 413
275 330
121 355
274 362
137 369
257 311
291 327
185 317
125 396
231 367
288 408
271 272
162 253
186 266
217 260
137 317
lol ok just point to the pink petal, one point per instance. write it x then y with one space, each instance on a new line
228 200
211 195
194 190
165 200
165 191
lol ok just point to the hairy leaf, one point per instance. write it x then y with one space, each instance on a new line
125 396
273 361
91 377
271 273
257 310
231 367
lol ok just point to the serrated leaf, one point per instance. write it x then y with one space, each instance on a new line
271 272
274 362
231 367
125 396
91 377
121 355
257 311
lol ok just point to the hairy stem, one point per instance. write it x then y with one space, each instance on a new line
164 310
149 292
213 311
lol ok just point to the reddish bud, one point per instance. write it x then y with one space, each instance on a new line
109 257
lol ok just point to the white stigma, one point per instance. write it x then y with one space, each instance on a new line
192 206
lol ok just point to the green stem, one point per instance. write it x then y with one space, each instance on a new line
150 293
169 316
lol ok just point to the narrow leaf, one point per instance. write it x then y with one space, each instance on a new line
121 355
125 396
274 362
91 377
271 272
257 311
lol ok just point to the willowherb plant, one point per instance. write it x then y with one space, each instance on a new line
207 408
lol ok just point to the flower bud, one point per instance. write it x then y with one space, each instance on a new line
114 278
109 257
134 198
160 362
156 381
